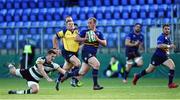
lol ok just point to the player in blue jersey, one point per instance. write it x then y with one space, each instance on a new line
91 38
161 57
134 42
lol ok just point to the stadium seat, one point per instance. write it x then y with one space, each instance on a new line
34 14
166 21
98 3
89 3
9 4
25 15
159 2
129 22
99 15
150 2
108 14
141 2
120 22
1 5
32 4
127 29
41 4
101 28
152 14
139 20
9 15
90 14
41 14
19 24
125 15
146 21
134 14
33 30
117 29
49 30
82 3
24 4
107 2
133 2
34 24
82 15
49 4
57 4
17 4
49 14
168 2
124 2
109 29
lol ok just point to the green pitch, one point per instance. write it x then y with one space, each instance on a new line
147 88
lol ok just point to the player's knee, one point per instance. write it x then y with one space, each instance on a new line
140 64
12 71
35 90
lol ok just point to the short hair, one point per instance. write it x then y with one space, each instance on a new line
166 25
67 17
51 51
93 18
113 56
137 24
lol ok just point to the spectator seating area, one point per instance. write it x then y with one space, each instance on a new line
36 18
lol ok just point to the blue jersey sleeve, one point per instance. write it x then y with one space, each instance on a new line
142 39
160 40
101 36
128 36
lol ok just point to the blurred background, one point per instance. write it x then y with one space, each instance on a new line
36 21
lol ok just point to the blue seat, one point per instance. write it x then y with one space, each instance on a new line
9 4
34 24
32 4
109 29
41 14
43 23
90 14
41 4
17 4
111 22
33 30
133 2
168 1
153 7
49 4
120 22
89 3
116 15
34 14
146 21
98 3
56 4
125 15
57 16
141 2
166 21
115 2
27 24
1 17
161 14
1 5
108 14
24 4
60 23
129 22
9 15
50 30
127 29
159 1
101 28
134 14
117 29
124 2
82 15
82 3
49 14
139 20
19 24
26 14
107 2
99 15
143 14
151 2
17 15
152 14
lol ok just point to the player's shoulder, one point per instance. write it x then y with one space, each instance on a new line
40 60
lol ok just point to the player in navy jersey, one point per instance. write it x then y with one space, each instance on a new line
91 38
161 57
134 42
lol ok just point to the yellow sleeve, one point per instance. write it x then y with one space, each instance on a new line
60 34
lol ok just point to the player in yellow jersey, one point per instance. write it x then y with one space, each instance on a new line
69 49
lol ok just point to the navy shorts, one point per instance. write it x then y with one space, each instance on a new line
86 56
157 60
132 55
26 75
67 54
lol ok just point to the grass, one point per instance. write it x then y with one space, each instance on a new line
147 88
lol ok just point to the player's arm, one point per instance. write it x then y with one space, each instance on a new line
128 43
55 41
81 39
163 46
102 42
43 73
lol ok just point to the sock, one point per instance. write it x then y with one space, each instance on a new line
95 75
28 91
134 64
126 74
73 73
171 76
142 73
59 77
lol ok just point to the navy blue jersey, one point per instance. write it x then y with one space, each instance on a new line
162 39
91 47
133 38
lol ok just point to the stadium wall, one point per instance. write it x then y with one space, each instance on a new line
104 59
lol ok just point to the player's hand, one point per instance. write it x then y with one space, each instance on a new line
49 80
137 43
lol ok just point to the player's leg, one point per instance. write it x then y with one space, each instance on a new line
170 64
76 65
67 65
129 64
138 61
33 89
148 70
95 65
